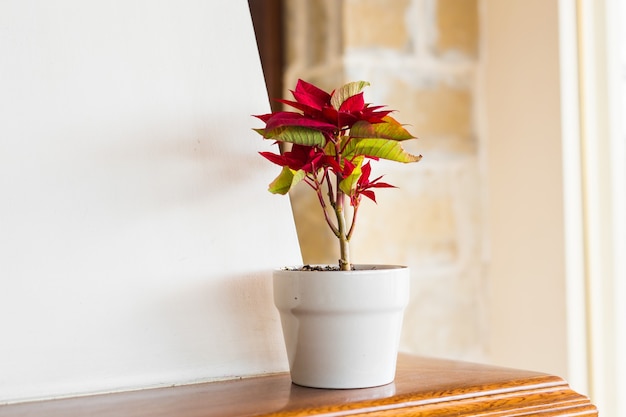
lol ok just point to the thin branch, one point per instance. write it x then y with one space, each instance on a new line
355 211
311 184
318 191
331 192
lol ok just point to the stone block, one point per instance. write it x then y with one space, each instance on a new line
435 109
414 224
457 27
376 23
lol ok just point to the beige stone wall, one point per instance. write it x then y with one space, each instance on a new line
421 58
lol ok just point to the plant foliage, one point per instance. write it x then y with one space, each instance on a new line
333 137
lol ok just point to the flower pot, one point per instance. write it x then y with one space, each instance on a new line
342 328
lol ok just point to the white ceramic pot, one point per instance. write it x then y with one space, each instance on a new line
342 328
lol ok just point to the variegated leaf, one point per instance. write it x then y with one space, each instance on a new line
348 90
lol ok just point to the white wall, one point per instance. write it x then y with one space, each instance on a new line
136 232
525 185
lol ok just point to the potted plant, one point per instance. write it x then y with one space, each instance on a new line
341 322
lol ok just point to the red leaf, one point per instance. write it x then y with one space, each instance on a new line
381 185
307 110
330 115
311 95
346 119
348 167
364 185
280 119
365 171
332 163
373 115
264 117
272 157
353 104
369 194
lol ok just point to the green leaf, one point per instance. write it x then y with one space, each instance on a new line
349 183
343 93
390 129
383 148
329 149
286 180
295 134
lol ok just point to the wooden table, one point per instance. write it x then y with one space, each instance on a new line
423 387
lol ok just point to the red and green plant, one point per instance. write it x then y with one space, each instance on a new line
333 137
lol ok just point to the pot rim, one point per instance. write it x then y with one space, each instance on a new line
333 268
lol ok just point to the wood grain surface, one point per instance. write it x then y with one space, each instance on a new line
423 387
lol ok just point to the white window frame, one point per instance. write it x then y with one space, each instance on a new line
595 175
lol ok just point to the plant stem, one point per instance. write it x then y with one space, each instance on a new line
355 211
339 205
344 247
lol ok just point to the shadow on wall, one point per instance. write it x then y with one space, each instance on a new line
193 325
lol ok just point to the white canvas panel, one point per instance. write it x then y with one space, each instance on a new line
137 236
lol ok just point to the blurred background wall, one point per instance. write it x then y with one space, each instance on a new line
513 221
479 219
421 59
